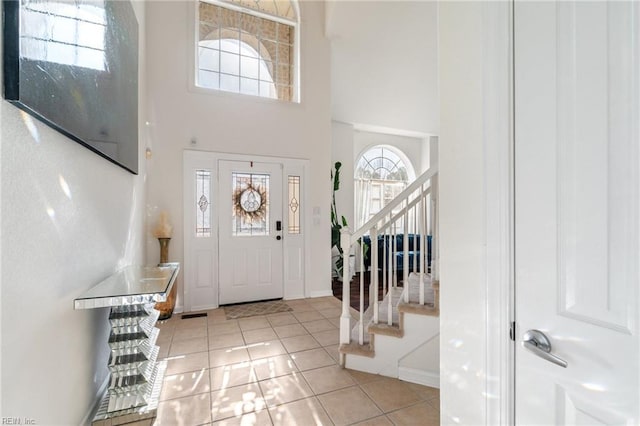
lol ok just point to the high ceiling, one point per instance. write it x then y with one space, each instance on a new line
384 64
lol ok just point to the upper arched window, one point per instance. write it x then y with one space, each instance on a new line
248 47
381 173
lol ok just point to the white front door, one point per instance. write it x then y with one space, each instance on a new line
250 231
577 82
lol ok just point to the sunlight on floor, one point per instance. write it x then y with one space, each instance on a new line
277 369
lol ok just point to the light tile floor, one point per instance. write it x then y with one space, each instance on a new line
279 369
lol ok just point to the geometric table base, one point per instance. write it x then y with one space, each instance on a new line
148 412
135 375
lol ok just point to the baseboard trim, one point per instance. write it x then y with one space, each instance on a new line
102 390
323 293
293 297
420 377
199 308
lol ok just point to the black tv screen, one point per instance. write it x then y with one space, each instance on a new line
73 64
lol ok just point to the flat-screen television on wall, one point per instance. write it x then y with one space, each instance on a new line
74 65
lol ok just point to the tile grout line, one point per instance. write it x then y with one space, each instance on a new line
211 336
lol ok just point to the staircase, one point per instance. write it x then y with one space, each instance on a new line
398 248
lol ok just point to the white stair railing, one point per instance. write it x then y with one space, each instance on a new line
405 229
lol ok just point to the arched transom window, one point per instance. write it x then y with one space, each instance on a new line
381 173
248 47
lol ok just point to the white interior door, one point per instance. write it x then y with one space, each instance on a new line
250 225
577 235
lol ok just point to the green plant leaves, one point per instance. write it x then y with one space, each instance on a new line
336 176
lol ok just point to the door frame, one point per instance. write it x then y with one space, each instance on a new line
499 147
292 288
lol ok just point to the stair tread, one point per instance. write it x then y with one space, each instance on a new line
418 309
356 349
386 329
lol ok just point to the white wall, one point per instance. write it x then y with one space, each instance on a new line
463 297
225 122
384 64
54 247
342 135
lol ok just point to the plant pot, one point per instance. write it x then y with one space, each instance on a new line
337 273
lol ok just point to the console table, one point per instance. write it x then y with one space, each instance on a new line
135 374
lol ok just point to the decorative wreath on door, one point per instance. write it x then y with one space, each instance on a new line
250 202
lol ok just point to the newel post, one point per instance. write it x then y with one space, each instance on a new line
345 318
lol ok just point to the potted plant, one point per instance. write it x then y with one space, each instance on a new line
336 224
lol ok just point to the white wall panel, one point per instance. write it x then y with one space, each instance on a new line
264 265
594 243
240 271
203 265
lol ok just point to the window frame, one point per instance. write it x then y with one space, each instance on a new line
193 51
381 183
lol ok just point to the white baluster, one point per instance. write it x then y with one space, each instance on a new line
395 254
374 272
345 318
389 242
405 254
423 236
392 272
385 247
415 241
390 268
361 328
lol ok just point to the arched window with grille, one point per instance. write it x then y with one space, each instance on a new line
381 173
248 47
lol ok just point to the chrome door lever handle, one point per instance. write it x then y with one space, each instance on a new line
538 343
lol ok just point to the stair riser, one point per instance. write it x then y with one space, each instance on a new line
418 329
421 377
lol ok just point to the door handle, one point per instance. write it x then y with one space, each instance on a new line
278 225
536 342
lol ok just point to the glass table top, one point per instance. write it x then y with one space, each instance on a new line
131 286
